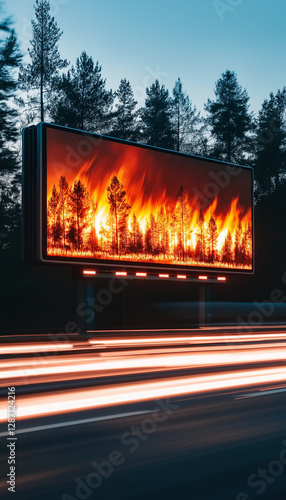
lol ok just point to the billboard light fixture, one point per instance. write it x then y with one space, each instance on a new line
203 277
181 276
164 276
121 273
141 274
221 278
89 272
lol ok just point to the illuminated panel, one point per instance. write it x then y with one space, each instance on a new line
89 272
164 276
140 205
221 278
203 277
121 273
181 276
141 274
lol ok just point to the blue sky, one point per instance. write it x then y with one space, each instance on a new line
196 40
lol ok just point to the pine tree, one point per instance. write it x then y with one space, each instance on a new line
82 100
153 233
229 119
186 120
9 164
79 205
227 254
163 235
64 106
119 210
53 217
182 217
156 122
269 161
148 240
125 117
212 237
237 244
200 250
44 55
136 237
63 205
93 242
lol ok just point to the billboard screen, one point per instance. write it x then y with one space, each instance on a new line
116 203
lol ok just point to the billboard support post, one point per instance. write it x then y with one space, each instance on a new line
85 296
202 306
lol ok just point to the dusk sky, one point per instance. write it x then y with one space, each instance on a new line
196 40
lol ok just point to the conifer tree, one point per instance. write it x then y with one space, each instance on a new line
270 161
53 217
227 256
10 58
82 100
63 205
119 210
157 128
186 120
125 117
79 205
182 216
212 236
229 119
237 244
200 250
45 57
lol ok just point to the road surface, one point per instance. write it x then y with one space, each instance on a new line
149 415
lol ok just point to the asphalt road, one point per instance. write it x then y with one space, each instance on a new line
225 443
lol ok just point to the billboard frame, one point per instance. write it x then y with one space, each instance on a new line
34 220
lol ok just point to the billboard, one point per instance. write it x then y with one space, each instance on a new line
114 203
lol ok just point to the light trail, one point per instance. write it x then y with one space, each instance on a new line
147 360
30 348
75 400
197 338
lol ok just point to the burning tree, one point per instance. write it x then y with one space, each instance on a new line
63 205
212 236
79 203
227 253
238 244
54 223
163 233
182 218
119 210
200 249
136 237
93 242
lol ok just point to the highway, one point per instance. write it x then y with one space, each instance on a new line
190 414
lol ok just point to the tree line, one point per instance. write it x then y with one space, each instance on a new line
75 95
168 234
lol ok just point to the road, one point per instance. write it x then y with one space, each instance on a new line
147 415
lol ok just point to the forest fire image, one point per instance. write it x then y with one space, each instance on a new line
125 203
